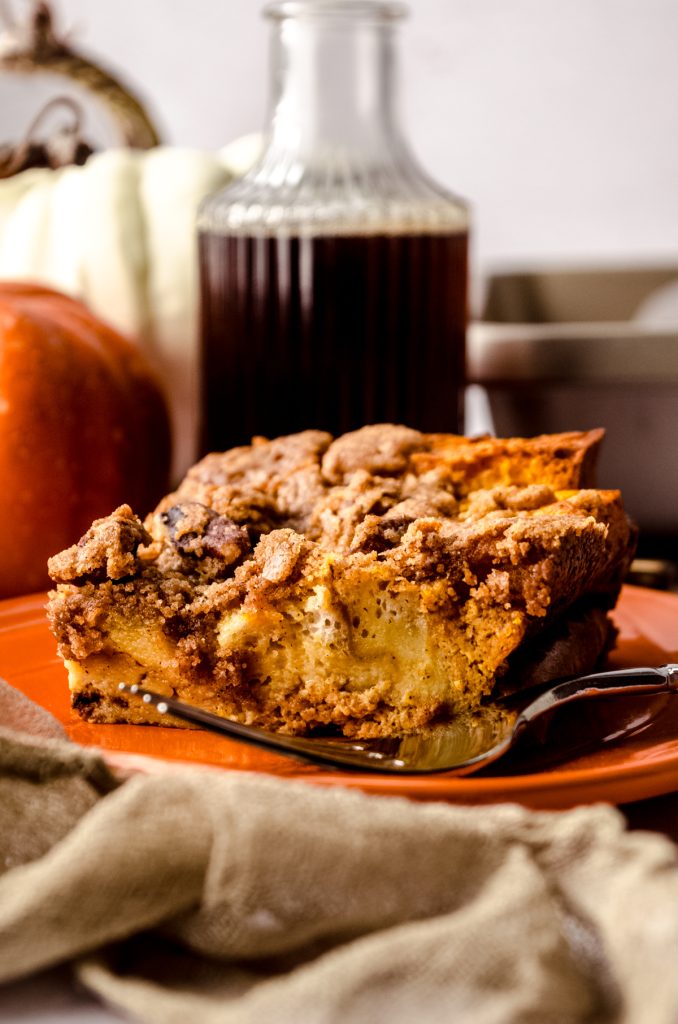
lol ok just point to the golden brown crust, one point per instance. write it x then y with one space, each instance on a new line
563 461
292 481
371 583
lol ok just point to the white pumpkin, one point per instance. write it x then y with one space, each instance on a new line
119 234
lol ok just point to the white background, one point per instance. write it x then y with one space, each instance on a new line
558 119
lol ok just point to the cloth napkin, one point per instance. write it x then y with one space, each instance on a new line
206 896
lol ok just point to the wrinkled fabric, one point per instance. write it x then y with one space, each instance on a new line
234 898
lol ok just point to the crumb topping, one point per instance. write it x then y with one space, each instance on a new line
381 450
107 551
372 492
194 539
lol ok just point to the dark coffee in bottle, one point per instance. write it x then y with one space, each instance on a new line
331 332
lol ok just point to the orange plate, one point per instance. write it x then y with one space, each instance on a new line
642 766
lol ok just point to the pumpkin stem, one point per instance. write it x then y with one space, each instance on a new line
44 41
34 36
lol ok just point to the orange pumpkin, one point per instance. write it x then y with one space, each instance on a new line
83 428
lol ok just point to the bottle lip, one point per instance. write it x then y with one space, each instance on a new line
343 10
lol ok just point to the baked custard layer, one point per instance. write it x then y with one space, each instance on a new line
372 584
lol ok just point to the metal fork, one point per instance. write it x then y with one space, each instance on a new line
466 743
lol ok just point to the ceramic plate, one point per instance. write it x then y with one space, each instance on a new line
641 766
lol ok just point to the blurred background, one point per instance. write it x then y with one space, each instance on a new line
559 121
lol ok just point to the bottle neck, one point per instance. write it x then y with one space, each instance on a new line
333 91
335 160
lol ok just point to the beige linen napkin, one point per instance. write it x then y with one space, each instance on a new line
200 896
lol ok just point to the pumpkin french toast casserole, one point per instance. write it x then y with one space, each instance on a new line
370 584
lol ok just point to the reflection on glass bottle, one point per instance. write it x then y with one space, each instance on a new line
334 274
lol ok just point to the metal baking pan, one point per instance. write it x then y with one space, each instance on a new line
578 349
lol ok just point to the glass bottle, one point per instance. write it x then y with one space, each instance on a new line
334 273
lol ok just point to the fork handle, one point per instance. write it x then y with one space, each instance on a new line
663 679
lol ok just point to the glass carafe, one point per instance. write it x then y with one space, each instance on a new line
334 273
